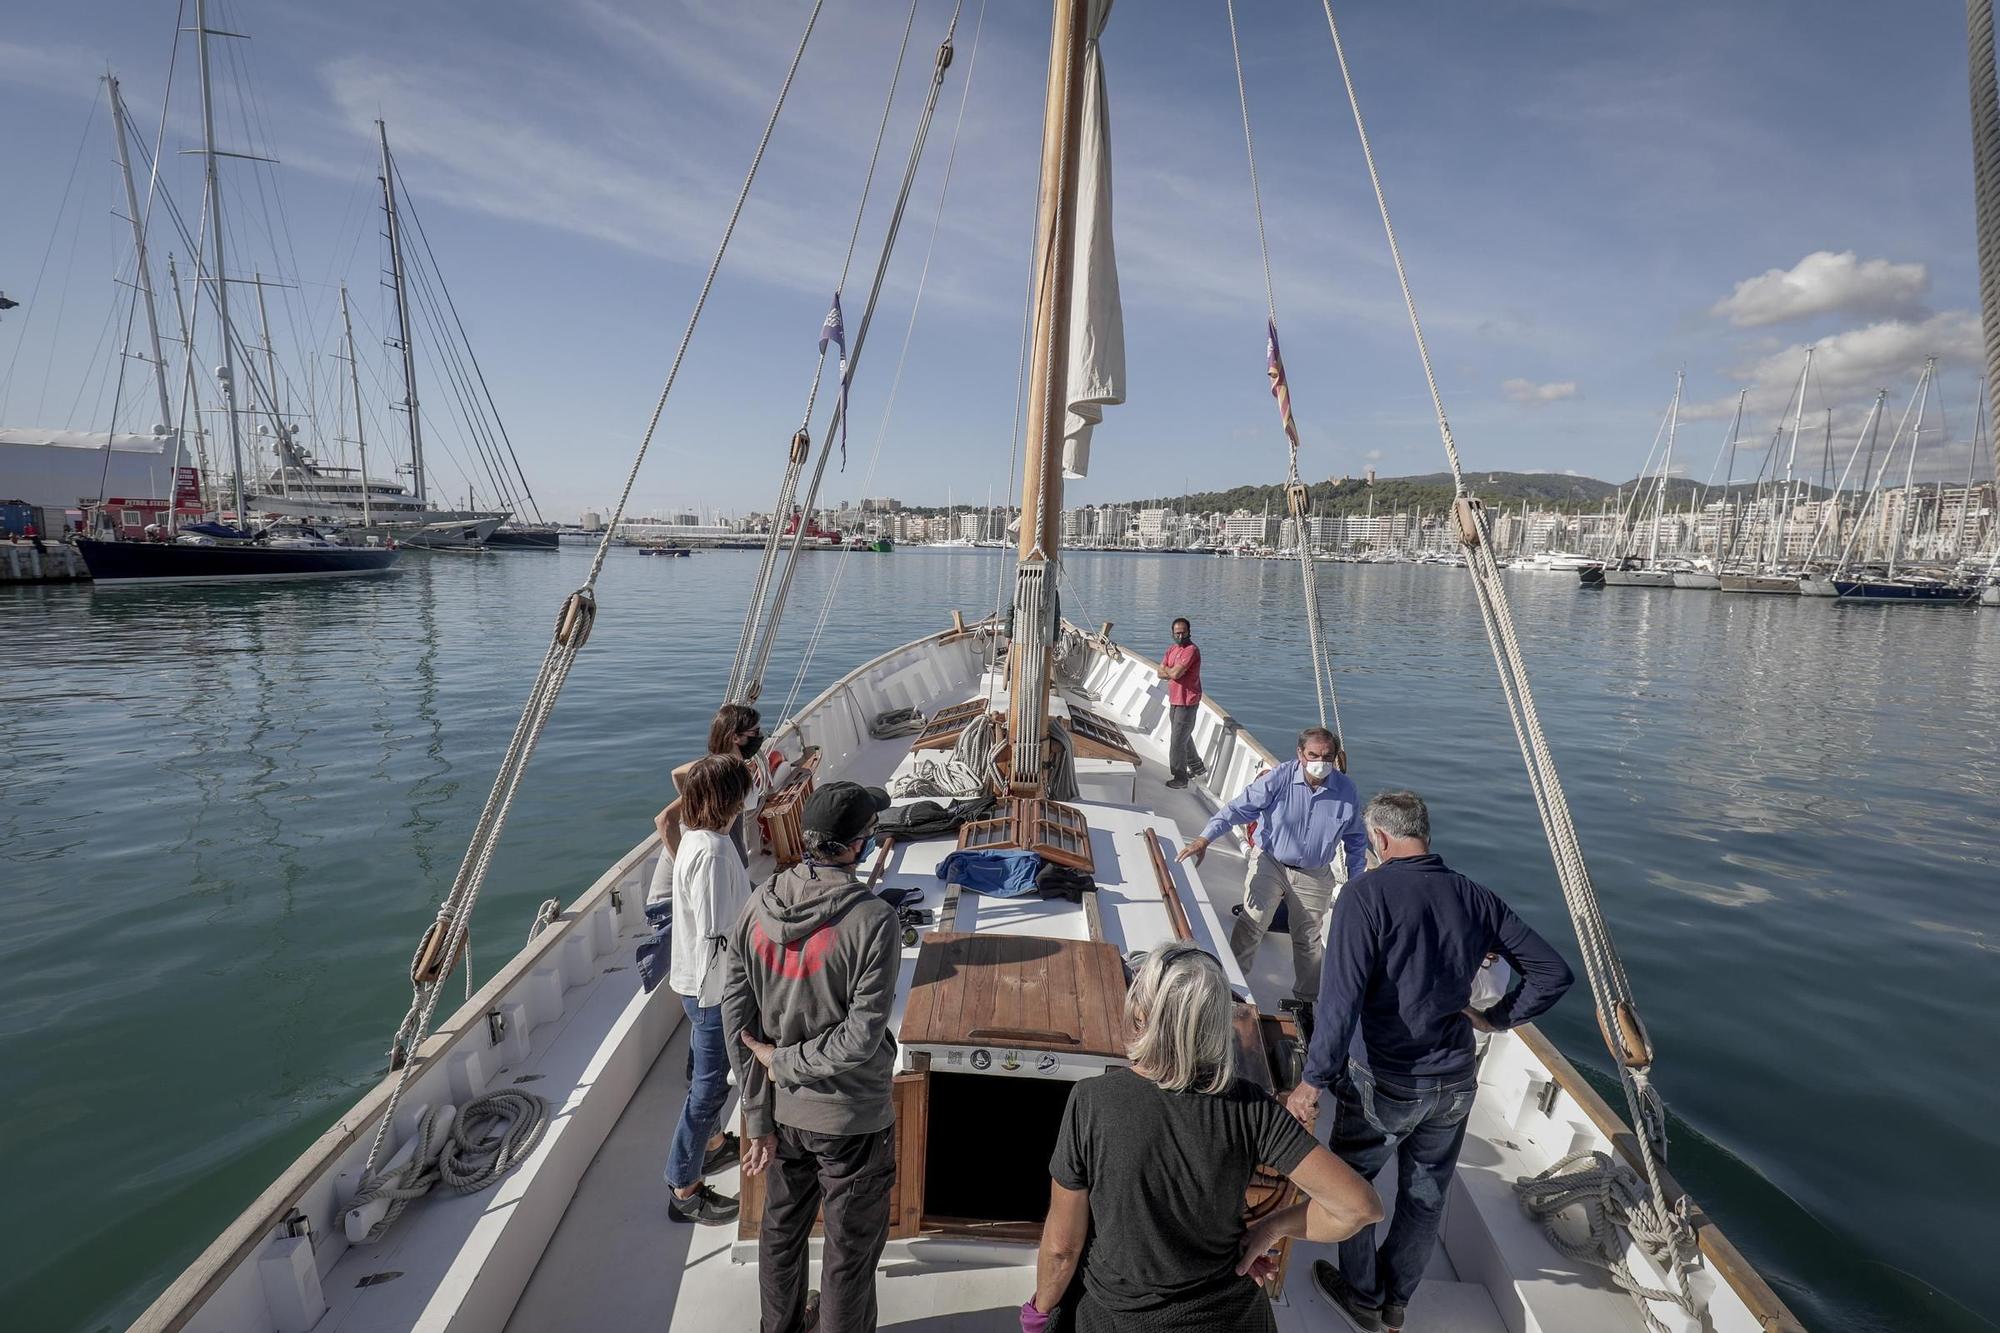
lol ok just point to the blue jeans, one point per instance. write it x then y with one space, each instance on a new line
1421 1122
708 1091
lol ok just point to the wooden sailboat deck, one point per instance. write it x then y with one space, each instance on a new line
618 1261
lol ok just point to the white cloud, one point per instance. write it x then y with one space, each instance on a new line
1536 395
1847 371
1825 283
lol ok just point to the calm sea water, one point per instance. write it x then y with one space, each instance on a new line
226 814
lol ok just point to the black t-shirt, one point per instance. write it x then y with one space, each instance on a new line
1166 1172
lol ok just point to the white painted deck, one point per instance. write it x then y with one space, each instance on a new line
579 1237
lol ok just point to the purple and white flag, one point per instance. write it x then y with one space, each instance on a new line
834 330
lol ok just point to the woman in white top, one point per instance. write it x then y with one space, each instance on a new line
711 887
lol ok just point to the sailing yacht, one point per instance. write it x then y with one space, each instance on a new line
1628 570
1001 1005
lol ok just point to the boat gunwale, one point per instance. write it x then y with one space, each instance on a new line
186 1296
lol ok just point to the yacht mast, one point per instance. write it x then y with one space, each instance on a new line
1798 420
402 315
1910 469
282 441
1031 659
1666 466
143 278
354 381
189 389
1985 88
225 374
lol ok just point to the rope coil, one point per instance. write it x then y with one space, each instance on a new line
486 1140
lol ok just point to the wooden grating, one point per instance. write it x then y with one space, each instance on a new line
1050 829
942 731
782 815
1096 736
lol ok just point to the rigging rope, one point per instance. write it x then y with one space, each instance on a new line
573 623
1296 494
801 443
1610 989
486 1140
751 682
896 381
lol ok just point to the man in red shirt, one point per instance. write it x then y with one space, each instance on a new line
1181 669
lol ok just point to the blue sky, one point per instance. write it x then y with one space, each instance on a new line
1590 196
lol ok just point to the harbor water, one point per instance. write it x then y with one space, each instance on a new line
227 813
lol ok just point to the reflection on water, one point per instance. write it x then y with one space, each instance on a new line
225 815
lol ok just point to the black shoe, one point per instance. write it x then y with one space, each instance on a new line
1177 783
721 1159
1197 769
704 1207
1393 1316
1334 1287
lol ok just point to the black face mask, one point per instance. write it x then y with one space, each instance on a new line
1183 639
749 748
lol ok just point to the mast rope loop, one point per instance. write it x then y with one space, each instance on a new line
1297 496
737 689
749 682
573 624
1605 970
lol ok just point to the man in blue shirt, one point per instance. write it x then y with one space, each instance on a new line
1394 1036
1307 813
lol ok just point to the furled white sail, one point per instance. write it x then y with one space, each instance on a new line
1096 317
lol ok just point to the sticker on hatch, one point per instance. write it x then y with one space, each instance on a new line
982 1060
1010 1061
1045 1065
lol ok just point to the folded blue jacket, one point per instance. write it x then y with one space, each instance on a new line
995 874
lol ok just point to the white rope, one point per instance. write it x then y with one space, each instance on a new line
1295 490
896 381
752 682
753 609
1612 1200
508 1125
573 624
1610 989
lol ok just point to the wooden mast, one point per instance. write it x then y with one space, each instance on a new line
1034 628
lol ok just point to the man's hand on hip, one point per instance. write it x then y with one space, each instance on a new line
1304 1104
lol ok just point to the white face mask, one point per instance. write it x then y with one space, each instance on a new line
1317 769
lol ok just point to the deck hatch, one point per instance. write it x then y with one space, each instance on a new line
1017 992
942 731
1098 737
1050 829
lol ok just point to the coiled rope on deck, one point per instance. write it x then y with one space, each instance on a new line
486 1140
573 624
1610 989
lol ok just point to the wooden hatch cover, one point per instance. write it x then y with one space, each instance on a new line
1021 991
942 731
1052 830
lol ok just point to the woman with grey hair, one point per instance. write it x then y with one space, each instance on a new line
1152 1164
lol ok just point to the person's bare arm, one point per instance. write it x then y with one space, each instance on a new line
1338 1204
668 822
1062 1244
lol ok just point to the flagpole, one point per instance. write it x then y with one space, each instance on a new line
1031 660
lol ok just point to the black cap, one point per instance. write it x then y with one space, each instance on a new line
844 810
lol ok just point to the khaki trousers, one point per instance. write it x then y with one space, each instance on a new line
1307 895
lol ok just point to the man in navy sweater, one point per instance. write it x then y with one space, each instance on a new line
1395 1037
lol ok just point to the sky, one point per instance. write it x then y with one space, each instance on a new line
1591 197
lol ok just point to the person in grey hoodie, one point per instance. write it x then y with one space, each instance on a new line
805 1006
